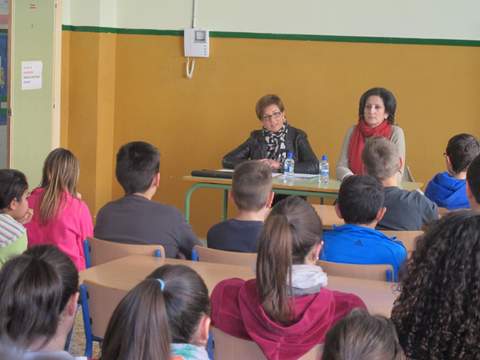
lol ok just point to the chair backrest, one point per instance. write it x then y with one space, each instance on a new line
224 257
382 272
408 238
102 251
228 347
102 301
328 215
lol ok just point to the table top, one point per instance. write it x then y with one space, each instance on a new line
126 272
302 184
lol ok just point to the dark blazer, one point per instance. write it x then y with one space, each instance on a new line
255 148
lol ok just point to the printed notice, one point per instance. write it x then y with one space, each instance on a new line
32 75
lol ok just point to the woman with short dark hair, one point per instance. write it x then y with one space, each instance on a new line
376 113
274 141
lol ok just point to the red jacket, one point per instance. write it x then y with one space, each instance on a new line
237 311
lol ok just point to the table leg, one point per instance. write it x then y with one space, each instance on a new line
188 197
225 205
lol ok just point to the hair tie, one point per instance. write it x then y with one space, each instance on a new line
162 284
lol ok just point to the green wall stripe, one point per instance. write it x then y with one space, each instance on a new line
297 37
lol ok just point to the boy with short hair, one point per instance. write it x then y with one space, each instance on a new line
14 213
406 210
253 196
473 184
360 205
448 189
135 218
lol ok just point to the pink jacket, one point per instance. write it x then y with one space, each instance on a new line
236 310
67 230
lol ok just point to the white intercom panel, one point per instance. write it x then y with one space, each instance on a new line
196 42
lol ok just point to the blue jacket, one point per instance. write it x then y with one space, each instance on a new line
356 244
447 192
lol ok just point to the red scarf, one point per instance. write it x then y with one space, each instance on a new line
357 142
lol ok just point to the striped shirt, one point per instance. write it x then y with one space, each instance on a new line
10 230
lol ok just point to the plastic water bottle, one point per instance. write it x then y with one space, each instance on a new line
324 170
289 166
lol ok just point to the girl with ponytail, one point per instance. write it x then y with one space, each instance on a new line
166 316
286 310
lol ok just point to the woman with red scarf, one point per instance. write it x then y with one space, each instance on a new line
376 113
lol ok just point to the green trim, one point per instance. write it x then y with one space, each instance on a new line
267 36
98 29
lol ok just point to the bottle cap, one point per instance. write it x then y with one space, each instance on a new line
290 155
324 157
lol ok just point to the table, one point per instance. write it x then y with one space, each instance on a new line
298 186
127 272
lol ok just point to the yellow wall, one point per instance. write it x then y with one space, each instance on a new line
194 122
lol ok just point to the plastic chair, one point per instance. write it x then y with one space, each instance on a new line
99 251
408 238
382 272
98 303
202 253
228 347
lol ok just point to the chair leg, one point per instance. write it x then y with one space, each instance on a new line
210 345
86 321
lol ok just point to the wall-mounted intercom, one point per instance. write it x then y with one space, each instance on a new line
196 42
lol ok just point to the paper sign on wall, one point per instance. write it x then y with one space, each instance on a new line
32 75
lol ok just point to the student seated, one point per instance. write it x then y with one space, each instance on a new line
166 313
406 210
361 336
360 205
38 301
135 218
13 214
447 189
60 217
252 194
473 184
287 309
437 311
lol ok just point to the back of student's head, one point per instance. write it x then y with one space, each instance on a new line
138 328
138 163
381 158
251 185
13 185
60 173
360 336
461 150
165 307
437 312
473 178
359 199
186 300
35 288
290 233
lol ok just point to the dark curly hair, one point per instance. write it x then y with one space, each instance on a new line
437 314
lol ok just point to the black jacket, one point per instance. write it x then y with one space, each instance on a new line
255 148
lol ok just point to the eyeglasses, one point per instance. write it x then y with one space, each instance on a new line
275 116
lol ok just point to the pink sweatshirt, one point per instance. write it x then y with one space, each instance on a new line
67 230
